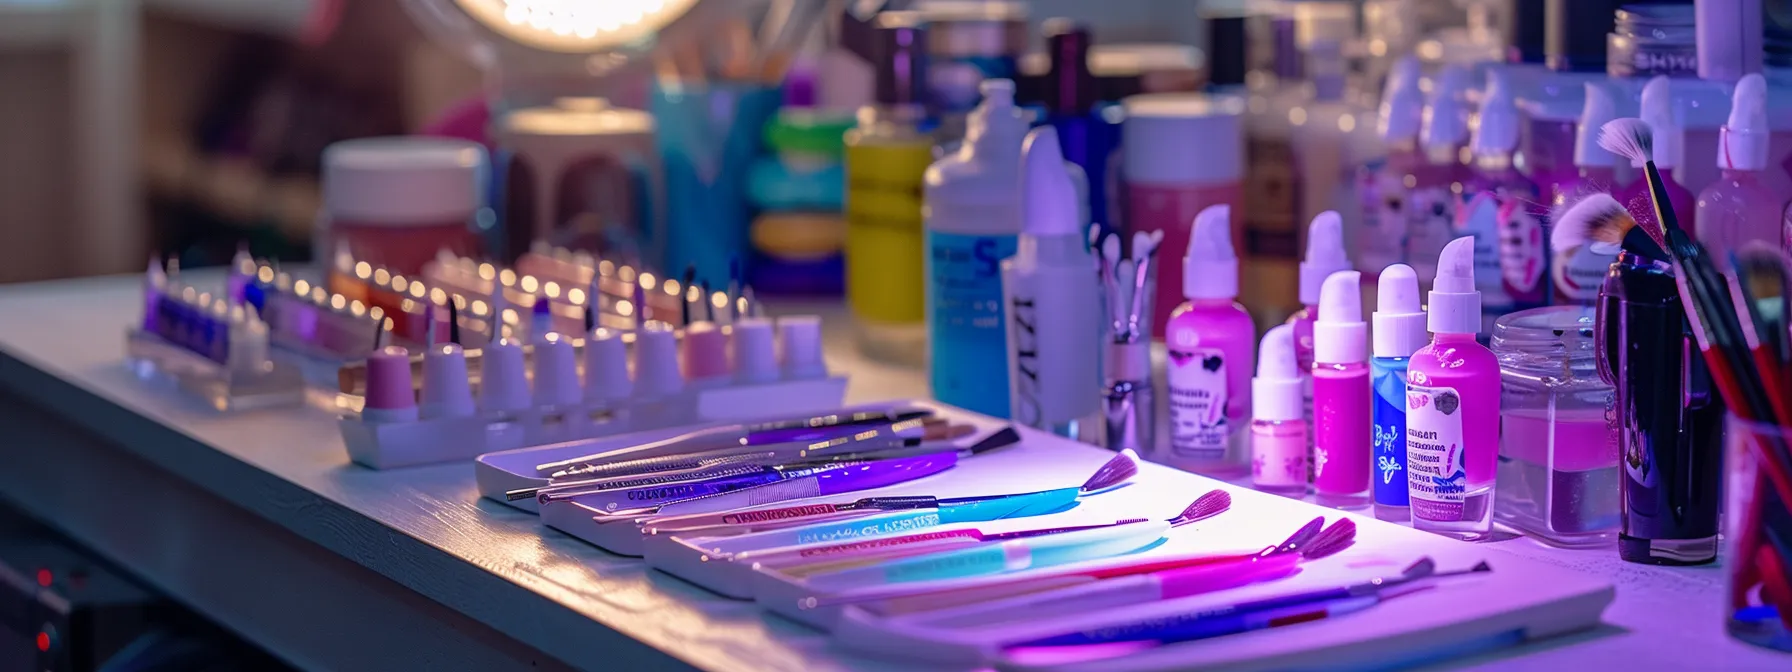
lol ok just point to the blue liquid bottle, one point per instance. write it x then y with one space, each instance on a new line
1399 331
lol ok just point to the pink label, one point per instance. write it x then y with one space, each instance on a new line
1197 382
1279 456
1172 209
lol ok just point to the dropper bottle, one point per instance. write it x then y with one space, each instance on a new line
1577 273
1341 430
1436 184
1325 256
1383 188
1499 210
1452 408
1279 436
1210 342
1054 316
1739 207
1399 331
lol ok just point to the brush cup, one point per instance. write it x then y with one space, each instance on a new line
1758 535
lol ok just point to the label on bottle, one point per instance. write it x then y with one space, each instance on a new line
966 329
1389 442
1430 213
1522 255
1437 478
1279 455
1382 241
1578 273
883 231
1197 381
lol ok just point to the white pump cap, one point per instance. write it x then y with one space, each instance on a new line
1340 336
996 119
1744 143
1496 132
1599 109
1049 197
1399 322
1277 392
1455 305
1210 270
1443 124
1664 122
1325 255
1402 102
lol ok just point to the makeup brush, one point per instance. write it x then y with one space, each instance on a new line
822 521
453 320
1759 291
1633 139
1601 223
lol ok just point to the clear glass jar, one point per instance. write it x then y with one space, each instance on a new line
1558 474
1650 40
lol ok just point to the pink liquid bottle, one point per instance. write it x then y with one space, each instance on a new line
1453 408
1658 111
1342 432
1739 207
1325 256
1210 341
1278 423
1435 186
1577 273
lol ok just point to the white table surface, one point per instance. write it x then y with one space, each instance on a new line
426 529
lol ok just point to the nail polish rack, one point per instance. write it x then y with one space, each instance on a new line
654 378
210 346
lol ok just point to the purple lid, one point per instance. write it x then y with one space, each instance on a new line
884 472
389 379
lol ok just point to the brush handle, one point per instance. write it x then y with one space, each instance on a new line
1016 555
1664 208
862 549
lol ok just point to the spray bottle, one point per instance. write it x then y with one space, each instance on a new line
972 212
1739 207
1053 304
1341 429
1510 263
1210 341
1453 408
1399 331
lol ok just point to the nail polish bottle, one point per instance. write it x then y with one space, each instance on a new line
446 393
390 397
503 383
704 353
799 338
1452 408
1342 433
556 372
656 361
1399 331
1210 341
1278 428
1739 208
753 351
606 368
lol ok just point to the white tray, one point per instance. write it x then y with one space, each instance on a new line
434 441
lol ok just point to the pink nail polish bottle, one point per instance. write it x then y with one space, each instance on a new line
1210 339
1278 424
1453 408
1739 207
390 397
1342 434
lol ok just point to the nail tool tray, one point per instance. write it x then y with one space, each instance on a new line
1519 600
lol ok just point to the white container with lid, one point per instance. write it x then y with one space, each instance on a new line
395 201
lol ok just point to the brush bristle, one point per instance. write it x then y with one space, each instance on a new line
1211 504
1630 138
1598 221
1336 538
1117 470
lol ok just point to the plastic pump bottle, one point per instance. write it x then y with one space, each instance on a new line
1383 233
1341 429
1054 327
1210 340
1279 441
972 215
1739 207
1437 182
1577 273
1452 408
1501 212
1398 332
1325 256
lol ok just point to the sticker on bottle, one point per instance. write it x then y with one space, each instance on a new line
966 328
1521 252
1437 479
1578 274
1197 381
1389 440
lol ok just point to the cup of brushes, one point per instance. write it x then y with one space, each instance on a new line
705 373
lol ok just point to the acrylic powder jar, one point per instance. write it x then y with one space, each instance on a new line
395 202
1650 40
1558 468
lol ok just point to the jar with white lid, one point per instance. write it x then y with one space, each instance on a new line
394 202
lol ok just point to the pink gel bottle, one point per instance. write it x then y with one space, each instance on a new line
1278 424
1210 341
1658 111
1453 408
1341 417
1739 208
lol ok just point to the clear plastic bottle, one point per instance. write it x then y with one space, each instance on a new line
1739 208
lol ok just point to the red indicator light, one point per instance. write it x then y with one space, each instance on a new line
45 578
43 642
